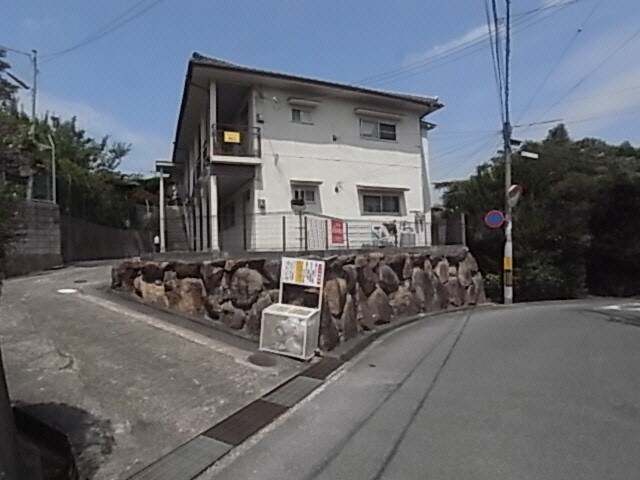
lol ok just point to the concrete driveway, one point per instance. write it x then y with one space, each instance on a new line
539 391
126 386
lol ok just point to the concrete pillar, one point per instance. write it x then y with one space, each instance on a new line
213 114
163 242
196 229
424 170
213 219
204 202
426 184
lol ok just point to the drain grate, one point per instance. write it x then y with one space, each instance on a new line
185 462
323 368
292 392
241 425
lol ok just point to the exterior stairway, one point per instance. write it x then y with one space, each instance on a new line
177 240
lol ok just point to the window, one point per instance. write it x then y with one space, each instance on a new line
300 115
307 194
377 130
381 203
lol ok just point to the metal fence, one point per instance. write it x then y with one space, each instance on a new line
288 231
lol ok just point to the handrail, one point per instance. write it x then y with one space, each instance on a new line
236 140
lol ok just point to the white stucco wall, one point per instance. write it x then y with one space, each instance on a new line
293 151
330 153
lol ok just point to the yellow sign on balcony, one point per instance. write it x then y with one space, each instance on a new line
231 137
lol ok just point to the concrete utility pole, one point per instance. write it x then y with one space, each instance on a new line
34 88
507 264
33 58
162 226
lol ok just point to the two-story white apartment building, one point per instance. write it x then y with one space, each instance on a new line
250 141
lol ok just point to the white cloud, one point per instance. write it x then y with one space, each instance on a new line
468 37
146 147
35 24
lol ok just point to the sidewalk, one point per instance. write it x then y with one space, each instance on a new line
125 386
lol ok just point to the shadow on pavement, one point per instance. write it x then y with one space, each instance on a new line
89 440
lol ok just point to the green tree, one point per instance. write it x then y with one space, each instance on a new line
7 89
573 223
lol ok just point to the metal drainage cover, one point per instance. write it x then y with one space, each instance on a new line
241 425
262 359
80 281
67 290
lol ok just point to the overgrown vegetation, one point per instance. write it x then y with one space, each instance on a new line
88 183
575 226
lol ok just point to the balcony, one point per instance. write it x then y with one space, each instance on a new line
238 141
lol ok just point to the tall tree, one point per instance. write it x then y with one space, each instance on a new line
7 88
572 209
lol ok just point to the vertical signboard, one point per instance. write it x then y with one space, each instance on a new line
337 232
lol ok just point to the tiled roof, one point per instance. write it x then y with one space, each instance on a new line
199 59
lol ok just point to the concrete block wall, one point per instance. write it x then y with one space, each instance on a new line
37 246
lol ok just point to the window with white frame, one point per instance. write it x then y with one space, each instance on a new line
381 203
300 115
308 194
377 130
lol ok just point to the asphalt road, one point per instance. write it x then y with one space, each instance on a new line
126 386
541 391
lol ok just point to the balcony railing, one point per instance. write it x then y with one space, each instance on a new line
236 140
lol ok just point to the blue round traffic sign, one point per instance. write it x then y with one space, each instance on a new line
494 219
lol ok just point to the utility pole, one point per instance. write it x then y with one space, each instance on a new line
33 59
506 132
34 88
162 227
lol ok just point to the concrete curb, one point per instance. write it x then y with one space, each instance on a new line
194 323
204 450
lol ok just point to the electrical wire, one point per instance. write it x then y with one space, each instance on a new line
559 59
479 150
115 24
468 44
494 59
591 72
507 63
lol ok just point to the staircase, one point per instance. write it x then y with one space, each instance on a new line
177 240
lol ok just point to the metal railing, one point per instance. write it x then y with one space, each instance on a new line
236 140
291 232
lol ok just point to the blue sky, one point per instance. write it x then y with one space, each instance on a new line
128 83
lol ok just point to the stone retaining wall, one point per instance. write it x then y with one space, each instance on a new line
361 290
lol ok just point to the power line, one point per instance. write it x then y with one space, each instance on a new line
459 147
479 150
494 58
418 67
118 22
591 72
557 62
464 46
